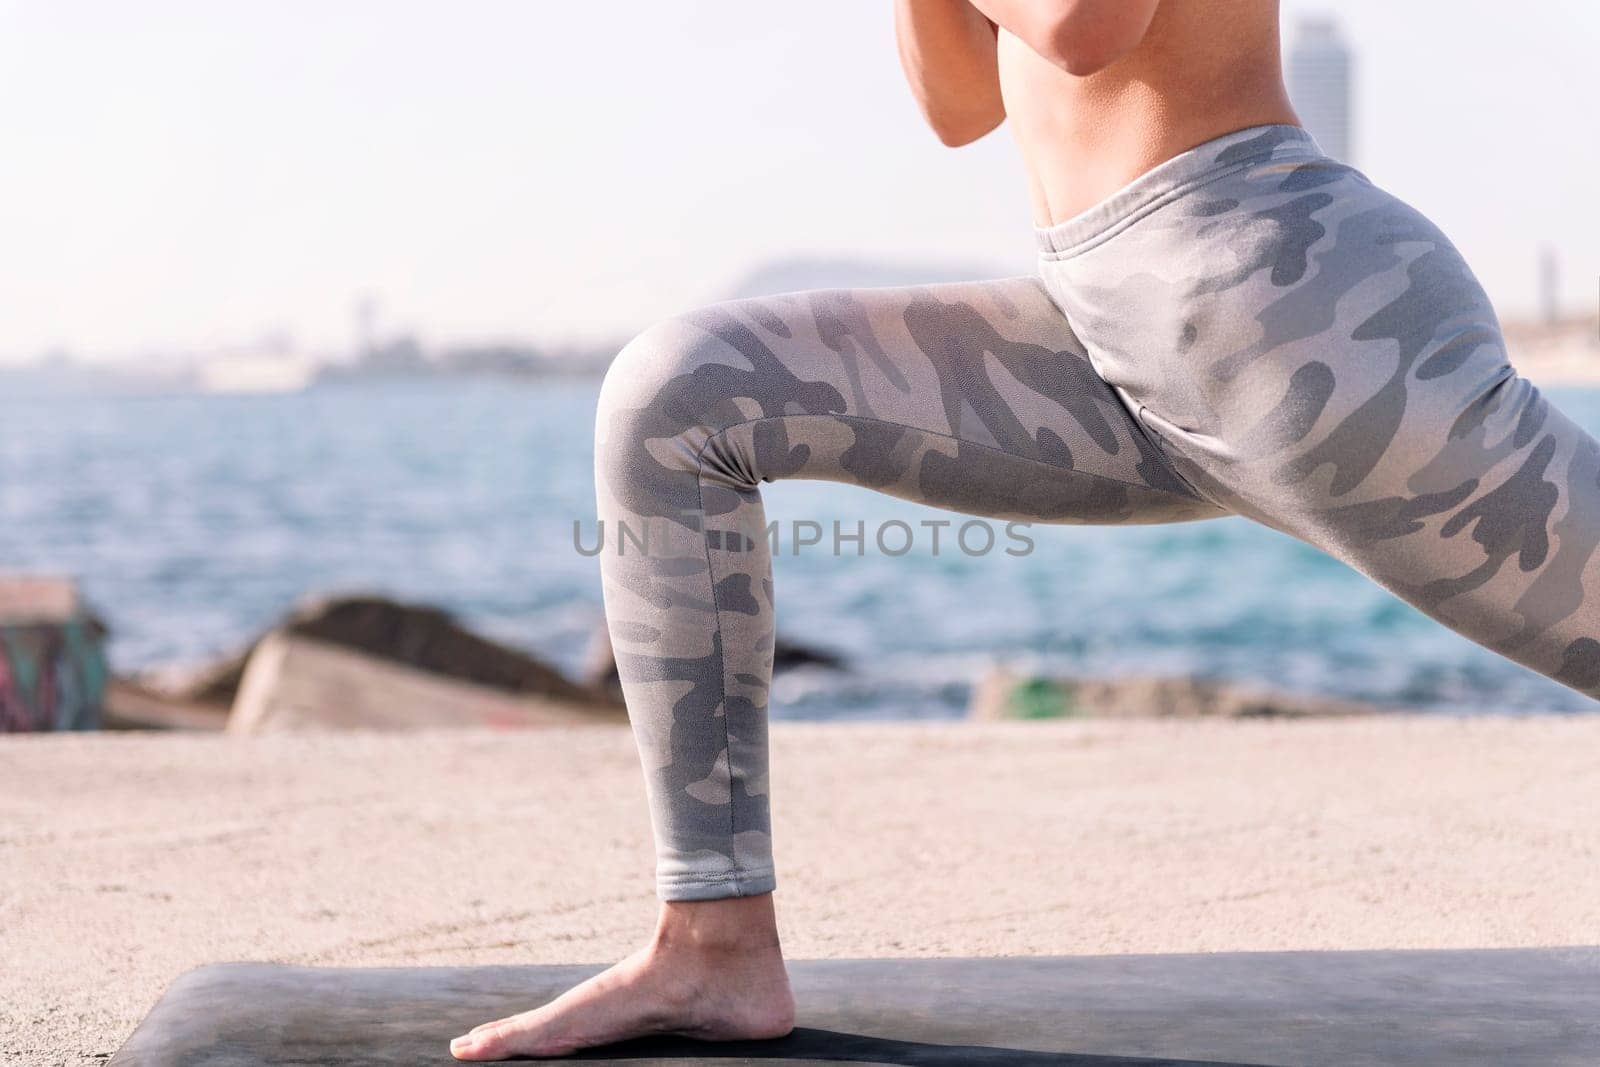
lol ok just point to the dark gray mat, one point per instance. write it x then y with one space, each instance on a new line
1535 1006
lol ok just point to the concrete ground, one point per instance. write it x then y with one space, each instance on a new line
127 859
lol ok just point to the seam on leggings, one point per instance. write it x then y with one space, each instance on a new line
1166 451
1139 424
1160 200
700 467
722 653
735 880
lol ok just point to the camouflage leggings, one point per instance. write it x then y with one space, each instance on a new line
1250 328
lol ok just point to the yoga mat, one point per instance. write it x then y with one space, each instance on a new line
1500 1007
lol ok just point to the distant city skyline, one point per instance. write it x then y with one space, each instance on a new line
1318 65
193 177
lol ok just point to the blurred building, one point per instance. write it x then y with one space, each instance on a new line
1320 84
1549 285
52 656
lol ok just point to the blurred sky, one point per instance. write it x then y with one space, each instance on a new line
197 174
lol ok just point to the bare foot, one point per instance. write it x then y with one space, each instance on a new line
713 971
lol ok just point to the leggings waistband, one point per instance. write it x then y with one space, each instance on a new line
1168 181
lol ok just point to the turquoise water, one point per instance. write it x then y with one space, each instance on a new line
195 521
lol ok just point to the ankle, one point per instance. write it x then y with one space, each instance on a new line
733 926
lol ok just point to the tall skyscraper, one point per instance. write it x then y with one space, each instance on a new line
1549 285
1320 84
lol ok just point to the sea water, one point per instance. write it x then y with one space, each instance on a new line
193 522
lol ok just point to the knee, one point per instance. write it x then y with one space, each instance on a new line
660 399
656 370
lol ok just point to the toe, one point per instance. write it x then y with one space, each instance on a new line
481 1044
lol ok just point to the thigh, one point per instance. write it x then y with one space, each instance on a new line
975 397
1385 424
1485 516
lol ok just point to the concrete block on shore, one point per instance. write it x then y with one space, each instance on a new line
416 635
1003 694
300 683
379 633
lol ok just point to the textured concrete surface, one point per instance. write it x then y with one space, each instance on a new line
126 860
